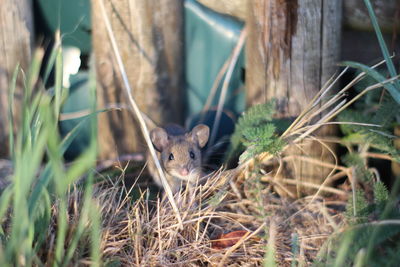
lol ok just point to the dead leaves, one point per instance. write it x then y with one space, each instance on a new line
230 239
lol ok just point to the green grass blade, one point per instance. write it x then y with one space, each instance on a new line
27 162
269 258
83 220
33 74
50 63
11 93
388 207
40 186
395 92
359 261
343 250
61 232
83 163
381 41
96 234
28 110
46 175
58 83
295 249
42 221
30 211
5 199
66 142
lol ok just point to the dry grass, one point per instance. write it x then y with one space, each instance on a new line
138 114
146 232
178 230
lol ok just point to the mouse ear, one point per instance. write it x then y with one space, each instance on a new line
159 138
200 134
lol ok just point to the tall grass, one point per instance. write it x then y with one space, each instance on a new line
376 241
394 88
38 226
47 218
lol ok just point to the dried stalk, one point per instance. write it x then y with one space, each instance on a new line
138 114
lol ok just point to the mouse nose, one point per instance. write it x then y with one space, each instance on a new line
184 171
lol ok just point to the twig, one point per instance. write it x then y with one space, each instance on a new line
138 114
240 242
306 184
378 156
105 164
224 90
215 85
316 161
385 222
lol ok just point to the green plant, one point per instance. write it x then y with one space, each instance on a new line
375 131
374 242
357 209
381 196
367 134
256 132
373 234
35 207
393 88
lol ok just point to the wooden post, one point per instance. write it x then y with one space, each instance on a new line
356 15
235 8
16 39
150 39
292 49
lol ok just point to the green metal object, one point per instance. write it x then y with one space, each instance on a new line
210 38
72 17
78 101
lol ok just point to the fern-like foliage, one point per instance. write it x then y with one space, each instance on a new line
372 109
255 132
357 209
378 137
357 238
362 173
381 196
379 242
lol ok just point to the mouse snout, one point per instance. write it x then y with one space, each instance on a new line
184 171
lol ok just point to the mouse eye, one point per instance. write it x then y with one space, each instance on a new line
192 155
171 156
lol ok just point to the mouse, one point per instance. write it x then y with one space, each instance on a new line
179 153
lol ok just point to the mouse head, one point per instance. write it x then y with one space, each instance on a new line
180 154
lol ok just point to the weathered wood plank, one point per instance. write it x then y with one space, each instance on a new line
150 43
292 49
356 15
235 8
16 40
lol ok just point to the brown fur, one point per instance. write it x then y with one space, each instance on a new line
179 154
